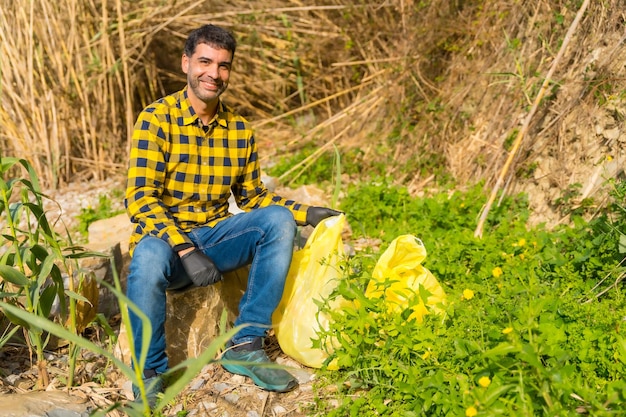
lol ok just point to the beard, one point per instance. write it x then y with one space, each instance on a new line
203 94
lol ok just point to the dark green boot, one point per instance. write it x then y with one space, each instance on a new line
254 364
154 386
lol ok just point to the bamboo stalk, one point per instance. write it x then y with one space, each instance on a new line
128 99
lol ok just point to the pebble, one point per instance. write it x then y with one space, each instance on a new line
90 367
252 414
11 379
279 409
221 387
302 375
238 379
197 384
306 388
232 398
207 405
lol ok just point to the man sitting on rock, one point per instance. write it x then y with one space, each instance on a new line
189 152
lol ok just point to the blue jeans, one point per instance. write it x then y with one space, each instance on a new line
262 238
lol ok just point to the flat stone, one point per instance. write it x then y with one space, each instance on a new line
44 404
232 398
221 387
197 384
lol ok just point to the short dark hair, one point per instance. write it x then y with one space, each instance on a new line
212 35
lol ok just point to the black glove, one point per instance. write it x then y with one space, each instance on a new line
200 268
314 215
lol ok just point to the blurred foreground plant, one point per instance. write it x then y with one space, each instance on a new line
179 376
34 261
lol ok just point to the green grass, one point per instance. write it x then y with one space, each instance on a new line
103 210
533 323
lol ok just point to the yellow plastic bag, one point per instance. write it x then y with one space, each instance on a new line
296 320
402 263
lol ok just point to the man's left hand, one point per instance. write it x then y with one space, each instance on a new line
314 215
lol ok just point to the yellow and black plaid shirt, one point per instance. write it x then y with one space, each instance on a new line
180 176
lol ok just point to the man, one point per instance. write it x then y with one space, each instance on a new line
189 151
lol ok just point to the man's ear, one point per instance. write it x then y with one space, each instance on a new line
184 63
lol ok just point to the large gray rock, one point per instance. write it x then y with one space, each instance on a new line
193 318
43 404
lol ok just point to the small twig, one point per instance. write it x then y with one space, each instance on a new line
267 396
601 293
372 61
614 285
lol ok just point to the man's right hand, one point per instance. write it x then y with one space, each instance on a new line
200 268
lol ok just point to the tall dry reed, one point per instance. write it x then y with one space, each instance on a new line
421 86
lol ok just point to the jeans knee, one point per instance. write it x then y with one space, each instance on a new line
279 218
150 264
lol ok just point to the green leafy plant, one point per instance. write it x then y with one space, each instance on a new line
103 210
179 375
34 260
529 327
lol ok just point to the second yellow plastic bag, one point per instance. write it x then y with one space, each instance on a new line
312 276
401 263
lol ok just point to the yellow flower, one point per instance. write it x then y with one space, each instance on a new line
426 355
496 272
521 242
484 381
609 158
468 294
521 256
507 330
471 412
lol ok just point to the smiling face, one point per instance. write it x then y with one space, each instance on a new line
208 71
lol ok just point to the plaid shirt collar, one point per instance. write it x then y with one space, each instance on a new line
189 114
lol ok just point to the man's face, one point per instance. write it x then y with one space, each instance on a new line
208 71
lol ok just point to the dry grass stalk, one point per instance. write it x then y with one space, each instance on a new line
535 105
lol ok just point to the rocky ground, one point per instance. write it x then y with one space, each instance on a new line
214 392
